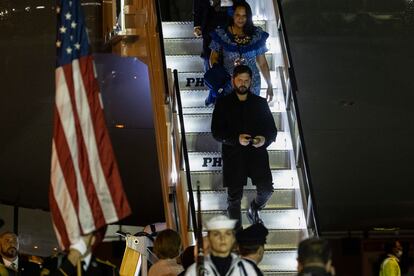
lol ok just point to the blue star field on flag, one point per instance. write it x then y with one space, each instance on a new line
71 37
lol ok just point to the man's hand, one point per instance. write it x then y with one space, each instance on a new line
197 31
258 141
244 139
269 93
79 249
74 256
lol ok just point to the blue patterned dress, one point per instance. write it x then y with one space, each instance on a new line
223 42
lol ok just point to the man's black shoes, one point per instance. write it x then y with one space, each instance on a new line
253 214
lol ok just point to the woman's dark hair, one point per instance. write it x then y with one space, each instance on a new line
167 244
248 29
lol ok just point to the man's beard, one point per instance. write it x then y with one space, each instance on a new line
242 90
11 252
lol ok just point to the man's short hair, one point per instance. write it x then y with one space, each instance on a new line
314 250
240 69
7 233
167 244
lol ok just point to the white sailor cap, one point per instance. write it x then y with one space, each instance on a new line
220 222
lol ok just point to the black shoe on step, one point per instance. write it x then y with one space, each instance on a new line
253 214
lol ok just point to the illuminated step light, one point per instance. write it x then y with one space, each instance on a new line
120 126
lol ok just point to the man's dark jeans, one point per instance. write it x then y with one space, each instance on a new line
235 194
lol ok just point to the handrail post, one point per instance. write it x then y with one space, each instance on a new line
162 48
185 152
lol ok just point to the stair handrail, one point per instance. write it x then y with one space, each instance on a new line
185 151
162 48
290 90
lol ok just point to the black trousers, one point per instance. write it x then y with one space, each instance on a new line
235 194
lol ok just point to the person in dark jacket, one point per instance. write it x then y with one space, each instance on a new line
244 124
81 261
251 242
10 259
208 14
315 258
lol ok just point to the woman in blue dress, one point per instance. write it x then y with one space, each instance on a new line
242 43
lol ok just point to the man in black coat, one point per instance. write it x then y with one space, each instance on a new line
244 124
208 14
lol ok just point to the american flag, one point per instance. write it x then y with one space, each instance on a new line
86 190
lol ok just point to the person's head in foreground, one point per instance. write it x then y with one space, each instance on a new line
315 254
167 244
9 245
394 248
251 242
221 235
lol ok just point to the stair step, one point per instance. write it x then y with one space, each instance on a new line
194 46
195 99
213 180
217 200
276 106
283 239
185 29
195 80
177 29
202 122
185 63
279 261
205 142
289 219
194 63
211 161
183 46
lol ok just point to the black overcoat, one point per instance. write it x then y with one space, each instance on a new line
26 268
232 117
208 19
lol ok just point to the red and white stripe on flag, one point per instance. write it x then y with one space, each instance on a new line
86 191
